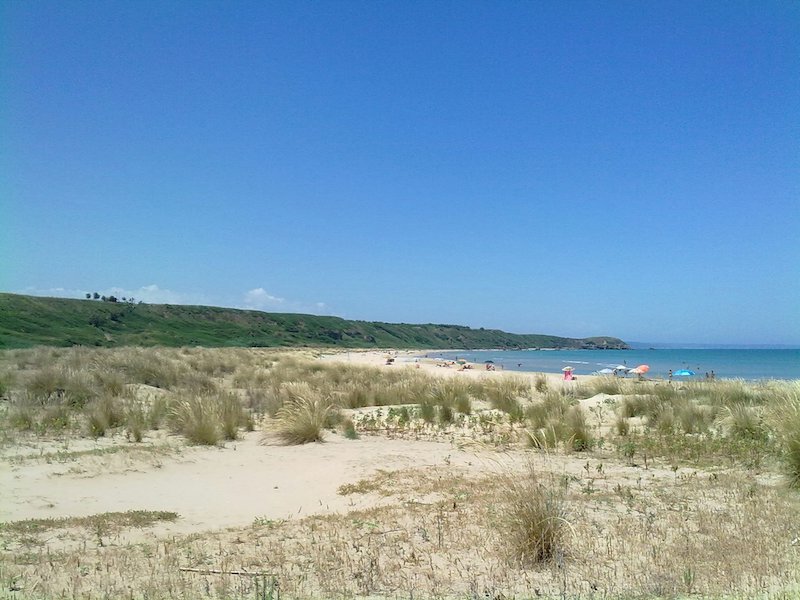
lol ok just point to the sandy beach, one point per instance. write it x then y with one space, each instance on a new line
404 506
226 486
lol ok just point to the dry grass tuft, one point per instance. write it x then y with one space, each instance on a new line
535 519
197 418
303 415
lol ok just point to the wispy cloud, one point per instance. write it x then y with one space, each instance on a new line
259 299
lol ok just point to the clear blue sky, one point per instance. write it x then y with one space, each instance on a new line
574 168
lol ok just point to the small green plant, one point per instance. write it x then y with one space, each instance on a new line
445 415
349 429
622 426
427 410
628 450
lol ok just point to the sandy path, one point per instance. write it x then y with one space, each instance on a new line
221 487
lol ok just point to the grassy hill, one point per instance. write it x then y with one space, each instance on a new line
31 321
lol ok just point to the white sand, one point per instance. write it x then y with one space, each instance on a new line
218 487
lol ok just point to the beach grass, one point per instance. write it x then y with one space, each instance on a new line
535 518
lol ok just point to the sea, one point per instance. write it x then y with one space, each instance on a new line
750 364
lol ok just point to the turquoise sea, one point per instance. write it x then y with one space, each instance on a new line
726 364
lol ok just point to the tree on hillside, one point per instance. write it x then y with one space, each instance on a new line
96 296
88 295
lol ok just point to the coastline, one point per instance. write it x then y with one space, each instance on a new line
437 366
753 365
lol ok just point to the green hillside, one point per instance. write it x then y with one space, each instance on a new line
32 321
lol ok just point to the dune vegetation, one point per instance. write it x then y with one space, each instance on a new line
604 488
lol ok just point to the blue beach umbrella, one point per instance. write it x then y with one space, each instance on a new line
684 373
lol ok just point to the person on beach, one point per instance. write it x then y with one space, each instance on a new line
670 375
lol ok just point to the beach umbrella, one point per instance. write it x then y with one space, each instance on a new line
605 371
684 373
461 361
621 368
643 368
489 362
568 369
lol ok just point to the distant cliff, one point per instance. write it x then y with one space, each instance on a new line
31 321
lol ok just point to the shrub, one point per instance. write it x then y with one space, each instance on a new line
22 418
149 369
607 385
104 414
784 419
45 383
693 418
6 380
427 411
445 414
55 418
349 429
157 412
464 405
663 421
135 421
231 415
742 421
302 417
540 383
110 382
578 432
504 393
545 437
197 418
535 519
553 407
450 392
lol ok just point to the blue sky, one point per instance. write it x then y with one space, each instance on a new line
573 168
